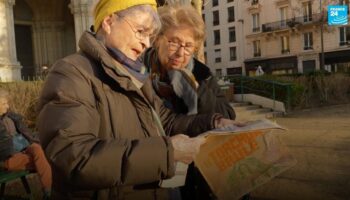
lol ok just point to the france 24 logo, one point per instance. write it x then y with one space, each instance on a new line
338 15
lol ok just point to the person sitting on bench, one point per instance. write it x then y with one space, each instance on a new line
19 150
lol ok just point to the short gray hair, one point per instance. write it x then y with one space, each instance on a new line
177 15
129 12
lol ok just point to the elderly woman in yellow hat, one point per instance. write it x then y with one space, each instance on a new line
104 131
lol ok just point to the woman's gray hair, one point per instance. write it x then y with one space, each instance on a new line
175 16
130 12
4 93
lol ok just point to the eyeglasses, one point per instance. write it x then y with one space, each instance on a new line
174 46
140 33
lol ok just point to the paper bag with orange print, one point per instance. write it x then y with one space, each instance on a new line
236 163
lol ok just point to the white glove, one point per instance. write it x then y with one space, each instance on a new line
186 148
223 122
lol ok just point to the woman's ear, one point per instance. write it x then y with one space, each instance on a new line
107 23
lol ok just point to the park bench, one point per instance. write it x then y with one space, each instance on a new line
6 176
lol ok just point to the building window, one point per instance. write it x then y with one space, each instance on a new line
308 41
233 70
216 37
256 48
231 14
284 16
254 2
344 36
256 22
228 1
203 17
345 2
232 34
205 57
215 2
217 55
233 53
216 19
218 72
285 44
307 11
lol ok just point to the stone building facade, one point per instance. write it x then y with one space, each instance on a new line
285 36
280 36
35 33
224 46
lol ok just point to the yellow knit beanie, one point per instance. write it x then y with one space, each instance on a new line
108 7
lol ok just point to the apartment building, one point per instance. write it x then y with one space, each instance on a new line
224 36
285 36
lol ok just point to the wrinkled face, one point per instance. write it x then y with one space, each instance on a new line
176 47
4 106
130 34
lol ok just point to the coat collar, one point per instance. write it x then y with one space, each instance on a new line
95 49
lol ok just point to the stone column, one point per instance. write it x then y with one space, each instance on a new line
83 19
10 69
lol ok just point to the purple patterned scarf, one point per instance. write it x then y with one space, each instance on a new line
135 68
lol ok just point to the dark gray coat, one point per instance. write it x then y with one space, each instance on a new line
98 132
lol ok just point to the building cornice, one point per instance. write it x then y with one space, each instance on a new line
254 8
280 3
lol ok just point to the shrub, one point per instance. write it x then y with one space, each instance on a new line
320 89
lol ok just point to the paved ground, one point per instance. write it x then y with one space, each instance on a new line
320 141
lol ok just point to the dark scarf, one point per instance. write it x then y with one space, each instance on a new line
174 82
133 67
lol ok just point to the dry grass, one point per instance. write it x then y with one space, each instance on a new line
23 98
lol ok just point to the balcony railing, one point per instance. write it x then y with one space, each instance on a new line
290 23
344 43
308 48
257 54
256 29
285 51
233 58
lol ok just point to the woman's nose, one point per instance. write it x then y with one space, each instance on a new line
180 51
146 42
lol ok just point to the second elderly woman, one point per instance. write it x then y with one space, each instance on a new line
185 84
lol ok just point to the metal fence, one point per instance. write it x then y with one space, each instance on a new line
274 90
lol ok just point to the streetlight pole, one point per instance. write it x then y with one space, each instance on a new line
322 47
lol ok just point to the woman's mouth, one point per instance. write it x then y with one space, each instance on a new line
136 52
175 61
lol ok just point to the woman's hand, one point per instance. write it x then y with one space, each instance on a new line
185 148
